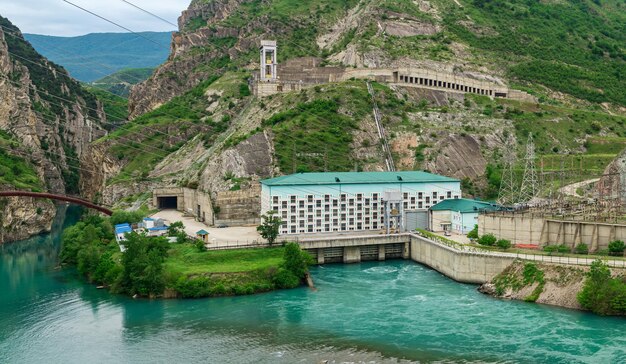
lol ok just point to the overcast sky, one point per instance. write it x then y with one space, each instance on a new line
55 17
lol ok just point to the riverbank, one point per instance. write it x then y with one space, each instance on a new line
153 267
559 285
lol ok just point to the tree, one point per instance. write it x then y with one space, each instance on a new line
142 264
177 229
269 227
474 233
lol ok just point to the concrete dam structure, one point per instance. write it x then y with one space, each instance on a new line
462 266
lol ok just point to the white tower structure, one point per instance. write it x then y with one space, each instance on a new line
268 60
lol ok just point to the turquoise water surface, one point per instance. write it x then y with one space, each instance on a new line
371 312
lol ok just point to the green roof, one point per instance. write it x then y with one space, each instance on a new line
336 178
202 232
463 205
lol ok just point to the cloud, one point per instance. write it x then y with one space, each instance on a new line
55 17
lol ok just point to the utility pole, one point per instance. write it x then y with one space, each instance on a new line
528 190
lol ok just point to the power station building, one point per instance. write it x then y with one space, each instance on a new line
355 201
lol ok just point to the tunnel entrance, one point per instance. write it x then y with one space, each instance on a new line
167 202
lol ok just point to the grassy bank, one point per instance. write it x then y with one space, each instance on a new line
152 267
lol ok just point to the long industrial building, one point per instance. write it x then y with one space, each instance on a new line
355 201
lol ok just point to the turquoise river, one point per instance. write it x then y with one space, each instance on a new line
395 311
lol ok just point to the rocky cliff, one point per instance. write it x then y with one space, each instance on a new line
48 120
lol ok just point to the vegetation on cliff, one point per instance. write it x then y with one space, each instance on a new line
15 170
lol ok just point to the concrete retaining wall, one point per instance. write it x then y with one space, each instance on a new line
241 207
461 266
529 229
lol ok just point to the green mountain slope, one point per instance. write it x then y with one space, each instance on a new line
93 56
120 82
571 55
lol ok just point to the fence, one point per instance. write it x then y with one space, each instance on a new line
237 244
544 258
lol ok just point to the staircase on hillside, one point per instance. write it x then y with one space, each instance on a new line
381 131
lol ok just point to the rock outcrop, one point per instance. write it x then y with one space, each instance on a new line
612 185
51 120
551 284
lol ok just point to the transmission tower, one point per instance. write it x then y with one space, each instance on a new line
508 189
528 189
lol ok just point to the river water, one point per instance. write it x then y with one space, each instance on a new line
391 311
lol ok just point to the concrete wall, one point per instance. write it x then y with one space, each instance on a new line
461 266
192 202
241 207
529 229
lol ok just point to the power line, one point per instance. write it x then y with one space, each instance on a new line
149 13
114 23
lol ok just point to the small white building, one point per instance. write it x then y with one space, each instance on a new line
457 216
353 201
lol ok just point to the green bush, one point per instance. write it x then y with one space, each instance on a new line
581 248
601 293
503 244
474 233
616 247
556 249
284 278
199 244
488 240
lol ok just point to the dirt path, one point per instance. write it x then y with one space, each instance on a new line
570 190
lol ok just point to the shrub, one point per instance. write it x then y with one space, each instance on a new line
556 248
601 293
199 244
474 233
296 260
488 240
581 248
616 247
550 248
503 244
285 279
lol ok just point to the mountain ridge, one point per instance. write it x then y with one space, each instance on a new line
96 55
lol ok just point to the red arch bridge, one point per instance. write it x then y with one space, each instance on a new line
53 196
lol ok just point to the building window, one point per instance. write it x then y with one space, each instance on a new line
343 197
359 226
449 194
405 196
301 204
367 201
351 202
292 199
420 195
427 199
413 200
326 198
434 194
335 203
284 205
275 199
359 196
405 205
275 208
310 228
318 203
375 196
309 198
419 205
